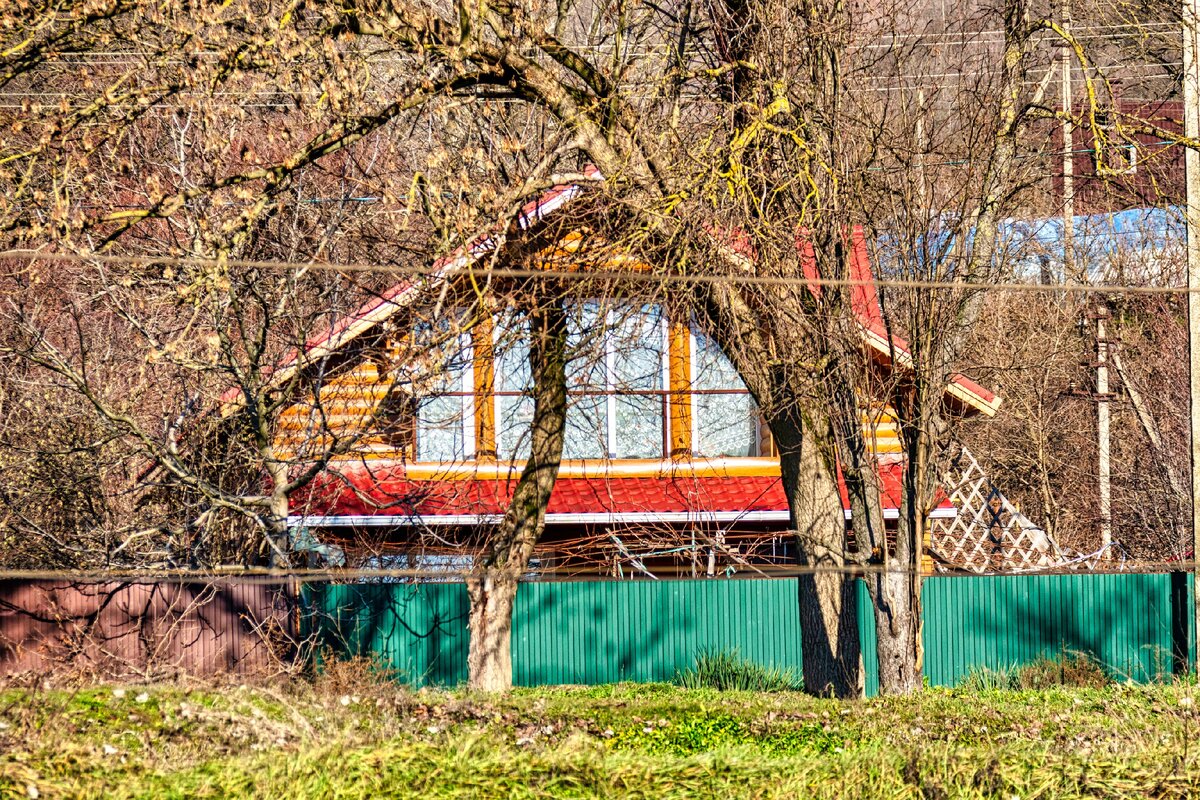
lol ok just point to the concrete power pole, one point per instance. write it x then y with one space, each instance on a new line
1191 129
1104 455
1068 152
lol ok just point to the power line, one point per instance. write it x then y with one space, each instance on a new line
756 571
592 274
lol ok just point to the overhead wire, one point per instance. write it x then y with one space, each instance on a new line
302 575
426 271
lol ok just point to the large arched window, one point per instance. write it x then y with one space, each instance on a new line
626 388
724 418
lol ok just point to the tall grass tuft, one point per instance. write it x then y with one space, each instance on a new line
1069 668
727 670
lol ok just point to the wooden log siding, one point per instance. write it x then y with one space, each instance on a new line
679 367
146 630
349 405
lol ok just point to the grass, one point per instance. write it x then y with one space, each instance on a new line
358 737
727 670
1068 668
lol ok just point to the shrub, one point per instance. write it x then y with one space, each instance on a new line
1069 668
726 670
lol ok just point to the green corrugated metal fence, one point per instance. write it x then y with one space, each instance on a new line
605 631
419 630
1125 621
645 630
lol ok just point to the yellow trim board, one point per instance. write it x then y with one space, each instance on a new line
619 468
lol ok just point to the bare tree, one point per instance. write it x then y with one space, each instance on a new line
726 134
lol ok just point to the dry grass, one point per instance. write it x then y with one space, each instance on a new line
351 734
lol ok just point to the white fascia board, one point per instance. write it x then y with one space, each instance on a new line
392 520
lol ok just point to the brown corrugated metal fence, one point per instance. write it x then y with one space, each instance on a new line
147 629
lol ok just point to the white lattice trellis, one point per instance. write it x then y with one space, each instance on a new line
989 534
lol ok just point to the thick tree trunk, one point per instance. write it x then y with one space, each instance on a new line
275 522
832 659
492 594
896 596
492 588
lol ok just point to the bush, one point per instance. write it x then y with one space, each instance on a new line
726 670
1069 668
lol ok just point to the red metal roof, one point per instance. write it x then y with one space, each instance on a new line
864 296
864 300
384 490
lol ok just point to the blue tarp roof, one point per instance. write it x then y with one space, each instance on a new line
1121 244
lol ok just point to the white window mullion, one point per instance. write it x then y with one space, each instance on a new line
610 383
693 398
468 404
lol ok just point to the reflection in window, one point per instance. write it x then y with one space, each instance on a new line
444 396
614 382
723 411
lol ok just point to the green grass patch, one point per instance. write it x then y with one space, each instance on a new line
366 739
726 670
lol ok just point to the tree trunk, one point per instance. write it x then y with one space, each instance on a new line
895 592
832 659
492 588
275 524
492 594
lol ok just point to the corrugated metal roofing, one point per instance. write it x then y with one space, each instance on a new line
385 490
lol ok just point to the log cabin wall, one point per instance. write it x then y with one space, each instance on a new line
372 414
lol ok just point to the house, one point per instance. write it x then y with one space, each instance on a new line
667 468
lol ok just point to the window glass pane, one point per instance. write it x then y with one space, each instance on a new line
440 429
443 376
587 427
513 374
512 432
639 426
713 370
726 424
638 348
637 343
587 381
586 330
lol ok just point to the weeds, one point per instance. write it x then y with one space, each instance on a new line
727 670
360 736
1069 668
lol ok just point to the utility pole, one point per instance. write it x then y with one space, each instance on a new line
1103 412
1068 149
1191 129
1104 462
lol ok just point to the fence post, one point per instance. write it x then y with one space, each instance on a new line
1180 613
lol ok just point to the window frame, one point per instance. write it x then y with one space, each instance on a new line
754 431
609 390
